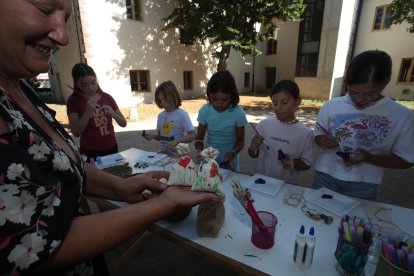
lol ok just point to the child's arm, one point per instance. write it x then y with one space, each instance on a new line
295 164
190 136
255 143
238 146
201 132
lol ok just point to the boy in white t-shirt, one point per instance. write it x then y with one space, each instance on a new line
282 145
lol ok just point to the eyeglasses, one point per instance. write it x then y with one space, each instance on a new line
367 95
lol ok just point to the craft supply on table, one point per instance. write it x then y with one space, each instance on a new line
255 130
310 247
263 236
264 184
331 201
354 240
397 254
300 244
243 197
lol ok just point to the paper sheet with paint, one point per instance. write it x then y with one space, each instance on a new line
331 201
151 157
264 184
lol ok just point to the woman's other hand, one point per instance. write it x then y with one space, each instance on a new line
143 186
179 196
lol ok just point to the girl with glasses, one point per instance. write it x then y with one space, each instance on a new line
363 132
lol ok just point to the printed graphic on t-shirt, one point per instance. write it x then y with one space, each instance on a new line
360 130
101 122
166 127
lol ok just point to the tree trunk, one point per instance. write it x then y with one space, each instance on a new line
223 58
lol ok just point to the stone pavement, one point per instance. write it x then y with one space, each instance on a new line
159 257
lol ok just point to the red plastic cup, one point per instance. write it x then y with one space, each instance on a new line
264 236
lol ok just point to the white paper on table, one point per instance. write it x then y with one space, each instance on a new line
339 204
270 187
108 160
151 157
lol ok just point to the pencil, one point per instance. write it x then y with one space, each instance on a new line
255 130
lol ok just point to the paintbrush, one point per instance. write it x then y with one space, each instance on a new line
255 130
327 133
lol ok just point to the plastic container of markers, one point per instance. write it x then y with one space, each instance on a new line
351 256
387 268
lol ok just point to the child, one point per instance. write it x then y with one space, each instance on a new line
90 112
363 132
174 125
282 144
223 120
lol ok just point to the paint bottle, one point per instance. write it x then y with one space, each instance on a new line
310 246
300 244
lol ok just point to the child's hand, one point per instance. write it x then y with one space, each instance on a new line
149 136
358 157
229 156
327 141
257 140
90 107
108 110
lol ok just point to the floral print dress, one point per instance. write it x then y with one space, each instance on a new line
40 187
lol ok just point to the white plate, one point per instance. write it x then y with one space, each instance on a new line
339 204
270 187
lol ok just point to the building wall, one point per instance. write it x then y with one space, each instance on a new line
396 41
114 45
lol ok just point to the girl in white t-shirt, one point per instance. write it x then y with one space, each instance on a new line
363 132
282 145
174 125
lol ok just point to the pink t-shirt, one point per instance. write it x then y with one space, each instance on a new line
99 134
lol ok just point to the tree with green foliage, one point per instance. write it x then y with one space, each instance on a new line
403 11
231 23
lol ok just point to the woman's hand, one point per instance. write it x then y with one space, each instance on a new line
179 196
143 186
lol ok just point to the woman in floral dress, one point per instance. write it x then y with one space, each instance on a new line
42 176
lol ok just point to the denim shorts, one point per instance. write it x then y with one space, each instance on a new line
350 188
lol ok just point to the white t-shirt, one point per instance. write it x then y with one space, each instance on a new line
385 127
295 141
173 125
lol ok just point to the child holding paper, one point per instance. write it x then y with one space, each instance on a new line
174 125
282 145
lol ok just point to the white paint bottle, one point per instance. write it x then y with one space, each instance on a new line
300 244
310 247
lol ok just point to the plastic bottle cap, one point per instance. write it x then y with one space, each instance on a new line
302 229
312 232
